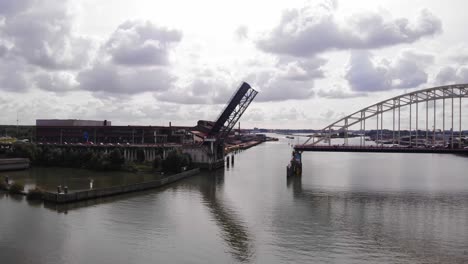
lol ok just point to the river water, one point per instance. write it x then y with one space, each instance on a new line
346 208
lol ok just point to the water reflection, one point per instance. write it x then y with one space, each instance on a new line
295 183
210 185
233 229
34 203
346 208
398 226
64 208
16 197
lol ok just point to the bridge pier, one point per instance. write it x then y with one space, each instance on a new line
294 167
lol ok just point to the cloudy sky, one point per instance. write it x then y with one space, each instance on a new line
149 62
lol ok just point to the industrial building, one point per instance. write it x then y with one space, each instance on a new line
72 131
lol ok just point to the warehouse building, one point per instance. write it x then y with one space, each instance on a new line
72 131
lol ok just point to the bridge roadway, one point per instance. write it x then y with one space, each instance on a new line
385 149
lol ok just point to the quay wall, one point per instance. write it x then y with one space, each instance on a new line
97 193
14 164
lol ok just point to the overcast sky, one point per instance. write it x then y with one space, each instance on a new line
147 62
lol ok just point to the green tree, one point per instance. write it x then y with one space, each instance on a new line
140 155
157 162
173 162
24 150
116 157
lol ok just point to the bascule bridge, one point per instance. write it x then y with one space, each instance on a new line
209 153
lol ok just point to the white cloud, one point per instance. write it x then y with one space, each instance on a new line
44 36
12 7
458 54
200 91
452 75
242 33
38 46
338 92
113 79
134 43
14 75
311 30
290 79
58 82
408 70
141 43
151 62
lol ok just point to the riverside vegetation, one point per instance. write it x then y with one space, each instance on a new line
175 162
87 159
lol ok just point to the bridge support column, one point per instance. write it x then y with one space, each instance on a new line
393 123
410 121
381 125
435 128
453 129
399 121
417 121
427 119
443 119
364 126
460 126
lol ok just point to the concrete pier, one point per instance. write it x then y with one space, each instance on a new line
103 192
14 164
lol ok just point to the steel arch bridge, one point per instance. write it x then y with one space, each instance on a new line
412 100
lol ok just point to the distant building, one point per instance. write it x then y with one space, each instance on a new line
71 122
83 131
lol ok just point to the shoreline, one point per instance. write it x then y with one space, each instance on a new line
11 164
76 196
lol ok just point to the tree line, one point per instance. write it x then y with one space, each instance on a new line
175 161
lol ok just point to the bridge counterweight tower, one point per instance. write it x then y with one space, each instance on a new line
235 108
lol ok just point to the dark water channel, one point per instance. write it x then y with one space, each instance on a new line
346 208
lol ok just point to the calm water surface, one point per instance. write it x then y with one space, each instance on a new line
346 208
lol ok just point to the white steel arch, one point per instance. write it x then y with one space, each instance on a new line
396 103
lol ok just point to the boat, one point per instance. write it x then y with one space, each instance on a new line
290 137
